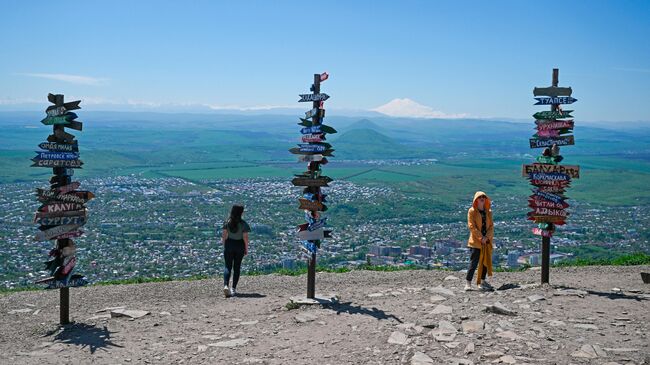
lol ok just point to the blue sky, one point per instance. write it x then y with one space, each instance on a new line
448 58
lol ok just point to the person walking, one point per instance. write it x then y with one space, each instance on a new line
481 235
235 241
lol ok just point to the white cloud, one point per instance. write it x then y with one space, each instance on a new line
410 109
73 79
247 108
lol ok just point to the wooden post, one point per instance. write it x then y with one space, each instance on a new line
546 241
311 268
64 305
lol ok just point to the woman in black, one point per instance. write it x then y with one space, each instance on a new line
235 240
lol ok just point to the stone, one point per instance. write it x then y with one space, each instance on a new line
442 291
428 323
442 309
164 313
454 361
437 298
130 313
499 308
507 359
586 352
420 358
536 298
18 311
446 332
450 277
469 348
305 317
108 309
375 295
556 323
472 326
585 326
231 343
202 348
452 345
398 338
492 354
571 292
249 323
509 335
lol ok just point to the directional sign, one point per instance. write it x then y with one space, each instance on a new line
313 97
314 235
555 100
315 112
317 224
552 91
549 212
71 105
551 133
541 203
74 164
553 114
73 282
61 136
61 147
74 124
297 151
313 206
311 158
57 221
312 148
50 233
61 119
571 170
308 138
311 130
60 207
79 197
542 232
305 181
68 188
548 142
309 246
71 234
547 219
549 176
549 196
57 155
69 213
55 111
551 189
544 124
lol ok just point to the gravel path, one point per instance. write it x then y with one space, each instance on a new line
594 315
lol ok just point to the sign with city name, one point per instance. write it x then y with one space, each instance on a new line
552 91
542 232
57 155
550 183
542 124
64 213
60 207
316 129
551 133
71 105
74 164
315 112
572 171
60 147
543 203
312 205
79 197
51 233
555 100
73 282
298 151
309 138
311 158
57 221
313 97
312 148
548 142
549 212
548 114
61 119
547 219
549 176
305 181
71 234
548 196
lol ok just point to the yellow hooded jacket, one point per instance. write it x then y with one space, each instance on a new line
475 224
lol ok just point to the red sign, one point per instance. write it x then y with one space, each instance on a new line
308 138
542 232
542 203
549 212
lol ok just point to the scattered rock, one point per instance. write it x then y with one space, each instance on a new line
375 295
163 313
585 326
571 292
472 326
420 358
230 343
446 332
469 348
450 277
18 311
536 298
452 345
442 309
509 335
442 291
499 308
507 359
585 352
556 323
305 317
398 338
437 298
131 313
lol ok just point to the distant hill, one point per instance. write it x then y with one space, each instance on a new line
365 124
365 143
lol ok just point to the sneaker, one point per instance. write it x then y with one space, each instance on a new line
226 291
232 292
486 286
468 287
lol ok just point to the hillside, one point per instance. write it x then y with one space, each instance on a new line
589 315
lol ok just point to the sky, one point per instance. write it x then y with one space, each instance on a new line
478 59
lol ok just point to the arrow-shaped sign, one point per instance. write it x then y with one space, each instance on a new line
61 147
544 124
60 207
312 148
305 181
313 206
548 114
320 113
57 155
555 100
552 91
57 221
55 231
309 138
571 170
548 142
73 164
313 97
297 151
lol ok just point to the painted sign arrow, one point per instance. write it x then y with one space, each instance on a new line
312 148
311 158
542 232
315 112
59 147
74 164
547 219
313 206
551 189
57 221
69 213
297 151
549 196
555 100
309 138
551 133
79 197
552 91
61 136
544 124
305 181
317 224
71 234
313 97
549 176
57 155
549 212
542 203
68 188
74 124
314 235
561 114
60 207
548 142
71 105
309 246
318 129
50 233
571 170
73 282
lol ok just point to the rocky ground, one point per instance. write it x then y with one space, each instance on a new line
594 315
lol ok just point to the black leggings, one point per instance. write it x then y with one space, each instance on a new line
233 254
473 264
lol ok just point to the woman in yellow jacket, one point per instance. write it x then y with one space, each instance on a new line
481 234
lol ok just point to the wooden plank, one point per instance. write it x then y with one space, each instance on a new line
64 213
312 205
71 105
73 282
555 100
551 133
548 196
548 219
315 112
550 176
50 233
71 234
553 114
305 181
74 124
315 148
552 91
78 197
543 124
542 203
549 212
571 170
62 119
60 147
551 189
311 158
57 221
60 207
62 136
318 129
309 138
57 155
74 164
542 232
313 97
297 151
314 235
548 142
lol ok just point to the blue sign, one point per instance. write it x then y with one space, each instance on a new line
550 176
312 148
555 100
316 225
309 246
549 196
310 130
57 155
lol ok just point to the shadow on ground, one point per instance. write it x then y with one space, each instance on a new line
250 295
357 309
81 334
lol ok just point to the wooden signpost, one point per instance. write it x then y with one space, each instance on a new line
548 177
63 211
312 151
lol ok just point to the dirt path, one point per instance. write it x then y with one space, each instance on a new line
411 317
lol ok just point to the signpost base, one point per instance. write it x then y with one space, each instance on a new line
546 258
311 277
64 305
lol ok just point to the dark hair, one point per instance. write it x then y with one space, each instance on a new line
235 217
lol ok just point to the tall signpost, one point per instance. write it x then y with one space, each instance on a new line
549 178
62 212
313 150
